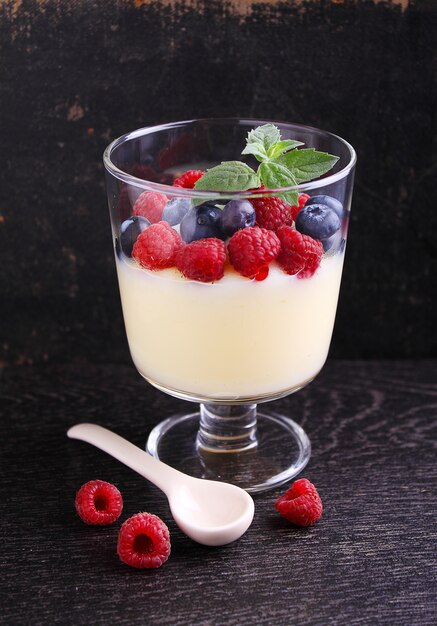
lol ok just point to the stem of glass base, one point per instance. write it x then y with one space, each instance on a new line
227 427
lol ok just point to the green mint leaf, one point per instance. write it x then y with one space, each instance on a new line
307 164
274 176
290 197
258 151
260 139
228 176
282 146
267 135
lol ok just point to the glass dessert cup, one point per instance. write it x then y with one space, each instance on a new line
235 342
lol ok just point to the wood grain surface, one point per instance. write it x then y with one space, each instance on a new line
370 560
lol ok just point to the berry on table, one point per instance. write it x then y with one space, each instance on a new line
144 541
202 260
188 179
150 205
237 214
156 247
129 231
200 222
318 221
99 503
328 201
299 254
272 212
301 504
252 249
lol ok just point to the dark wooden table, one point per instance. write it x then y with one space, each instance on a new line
369 561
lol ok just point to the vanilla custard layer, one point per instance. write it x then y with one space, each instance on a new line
235 338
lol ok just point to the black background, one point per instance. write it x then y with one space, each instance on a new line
75 76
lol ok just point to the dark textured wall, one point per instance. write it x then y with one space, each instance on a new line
75 75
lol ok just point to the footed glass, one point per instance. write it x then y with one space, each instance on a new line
236 342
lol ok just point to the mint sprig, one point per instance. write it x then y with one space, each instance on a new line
282 164
228 176
307 164
260 140
275 175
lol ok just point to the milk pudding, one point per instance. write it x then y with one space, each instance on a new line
233 339
233 298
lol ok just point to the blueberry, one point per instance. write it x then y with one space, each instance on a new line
318 221
175 210
332 242
129 231
237 214
200 222
328 201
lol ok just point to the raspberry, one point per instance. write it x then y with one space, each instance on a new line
150 205
252 249
156 247
188 179
300 254
144 541
301 504
303 197
98 502
272 212
203 260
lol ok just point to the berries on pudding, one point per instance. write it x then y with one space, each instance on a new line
234 297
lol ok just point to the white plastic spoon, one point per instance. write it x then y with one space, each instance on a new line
207 511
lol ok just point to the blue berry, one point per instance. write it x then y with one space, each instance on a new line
332 242
328 201
175 210
200 222
237 214
129 231
335 244
318 221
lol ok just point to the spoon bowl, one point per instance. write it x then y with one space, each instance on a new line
209 512
214 513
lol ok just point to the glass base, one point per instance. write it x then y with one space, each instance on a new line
273 451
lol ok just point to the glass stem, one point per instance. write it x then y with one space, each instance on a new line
227 427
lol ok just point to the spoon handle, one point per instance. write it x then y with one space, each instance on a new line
160 474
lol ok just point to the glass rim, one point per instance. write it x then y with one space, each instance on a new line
210 194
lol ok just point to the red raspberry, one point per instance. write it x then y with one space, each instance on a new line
252 249
144 541
188 179
202 260
272 212
156 247
303 197
301 504
98 502
300 254
150 205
